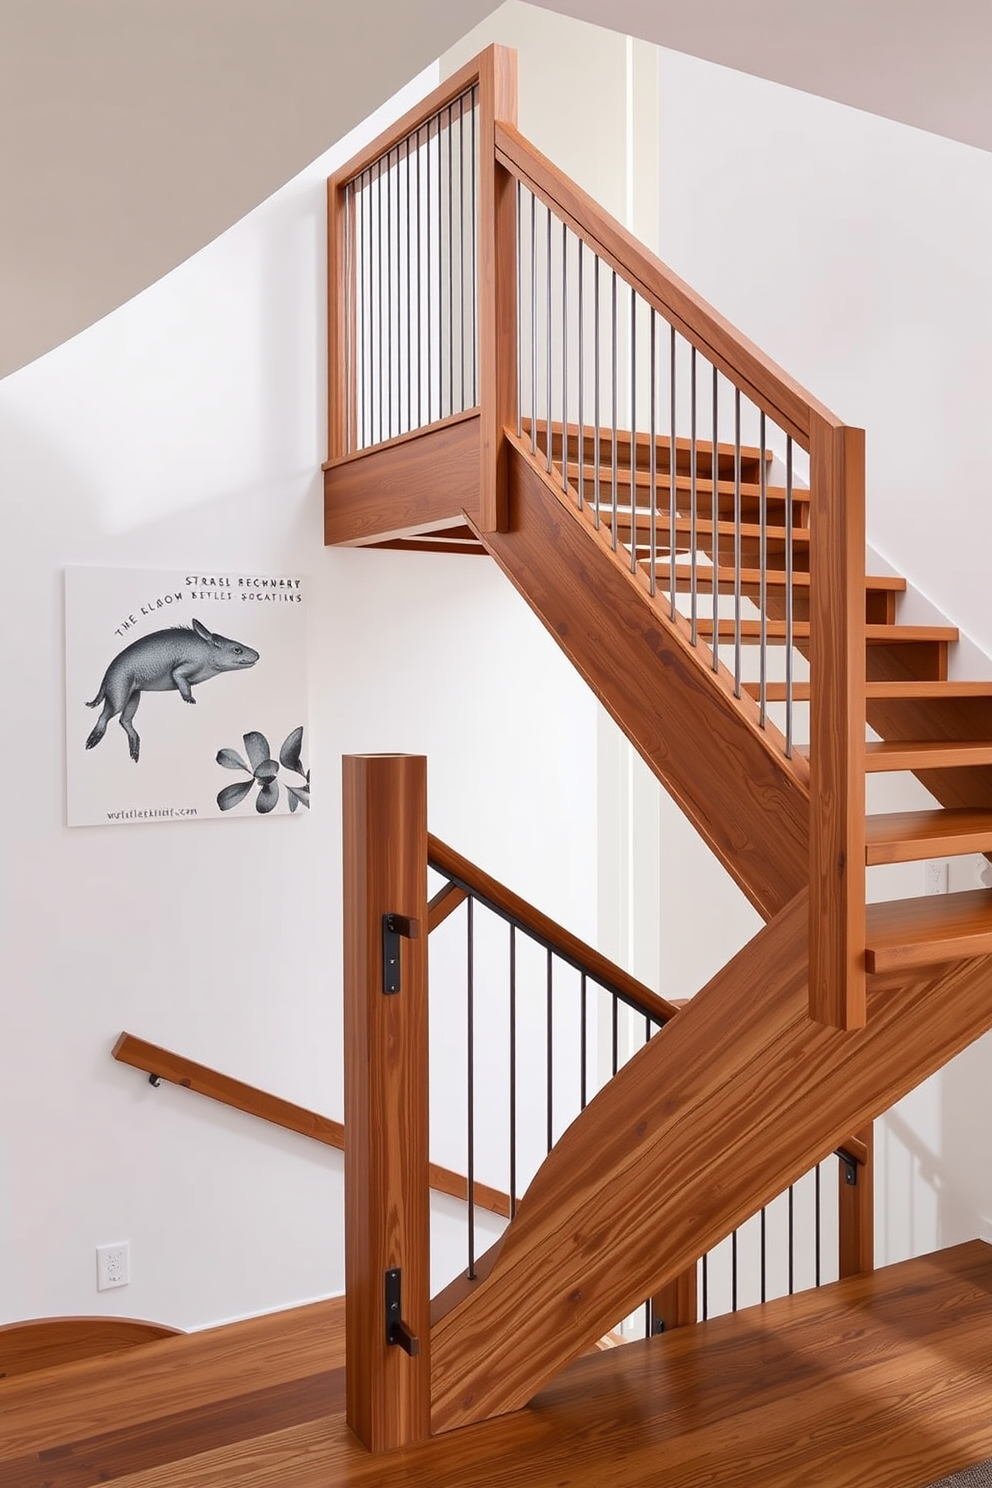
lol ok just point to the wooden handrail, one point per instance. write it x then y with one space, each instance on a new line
551 935
163 1064
768 385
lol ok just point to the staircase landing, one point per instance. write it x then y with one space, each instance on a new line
884 1381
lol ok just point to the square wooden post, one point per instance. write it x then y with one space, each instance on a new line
387 1214
856 1211
497 272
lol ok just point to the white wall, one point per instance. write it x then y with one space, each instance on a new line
856 252
188 429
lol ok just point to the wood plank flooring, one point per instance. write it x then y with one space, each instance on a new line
883 1381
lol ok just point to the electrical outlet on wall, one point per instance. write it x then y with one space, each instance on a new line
935 876
113 1266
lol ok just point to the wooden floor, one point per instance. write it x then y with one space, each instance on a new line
881 1382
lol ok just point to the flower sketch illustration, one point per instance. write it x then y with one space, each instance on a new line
262 771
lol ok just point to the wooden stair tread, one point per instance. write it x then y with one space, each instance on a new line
750 490
905 836
875 635
643 440
903 933
751 577
893 692
704 525
927 754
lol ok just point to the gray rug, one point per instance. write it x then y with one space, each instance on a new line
972 1477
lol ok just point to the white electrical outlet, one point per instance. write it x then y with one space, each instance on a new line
935 876
113 1266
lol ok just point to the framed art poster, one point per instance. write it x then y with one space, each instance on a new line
185 696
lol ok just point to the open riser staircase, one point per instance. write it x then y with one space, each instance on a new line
544 377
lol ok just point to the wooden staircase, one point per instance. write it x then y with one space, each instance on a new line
836 1008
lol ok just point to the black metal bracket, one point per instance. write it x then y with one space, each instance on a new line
395 926
850 1167
397 1331
154 1080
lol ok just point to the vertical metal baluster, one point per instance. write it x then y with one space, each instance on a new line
613 410
706 1286
615 1033
816 1226
547 343
533 324
582 374
389 297
738 645
792 1240
633 431
360 254
596 452
409 298
440 275
348 310
520 313
653 536
430 326
470 1028
583 1043
734 1268
715 514
513 1070
564 357
451 266
764 1254
475 292
673 463
550 1074
693 501
461 236
379 366
763 579
788 596
420 319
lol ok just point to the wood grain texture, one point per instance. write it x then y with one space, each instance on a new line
747 802
903 934
387 1209
676 1304
599 968
856 1211
767 384
738 1402
924 755
497 285
837 725
906 836
44 1343
732 1101
407 486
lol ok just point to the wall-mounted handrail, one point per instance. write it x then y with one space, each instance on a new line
164 1064
568 947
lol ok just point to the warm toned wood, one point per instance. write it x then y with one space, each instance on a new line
738 1402
837 724
676 1304
387 1210
905 836
747 801
497 285
641 482
43 1343
927 754
929 691
855 1148
874 635
765 383
339 368
406 486
601 970
750 578
444 903
178 1070
741 1078
429 545
639 453
158 1387
856 1212
906 933
446 92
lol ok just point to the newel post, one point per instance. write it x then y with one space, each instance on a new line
856 1211
387 1217
497 274
837 994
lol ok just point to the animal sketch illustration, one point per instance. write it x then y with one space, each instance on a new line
177 659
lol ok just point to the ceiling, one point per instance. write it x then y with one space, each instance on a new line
133 133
